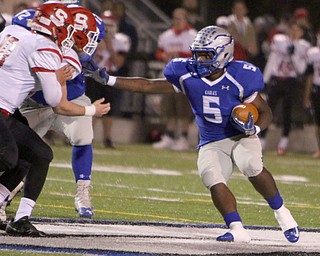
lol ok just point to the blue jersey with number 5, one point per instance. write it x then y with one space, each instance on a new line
213 101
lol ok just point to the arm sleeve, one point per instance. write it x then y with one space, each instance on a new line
44 62
51 87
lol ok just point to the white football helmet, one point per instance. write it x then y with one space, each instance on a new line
215 41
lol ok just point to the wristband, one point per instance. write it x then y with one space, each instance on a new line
89 110
112 80
258 129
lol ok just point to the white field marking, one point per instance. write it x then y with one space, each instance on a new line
133 170
241 200
123 169
167 155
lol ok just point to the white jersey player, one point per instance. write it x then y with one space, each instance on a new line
283 63
78 130
312 90
27 58
286 62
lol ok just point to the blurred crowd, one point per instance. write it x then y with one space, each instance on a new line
285 49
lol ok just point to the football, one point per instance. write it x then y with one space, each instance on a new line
241 111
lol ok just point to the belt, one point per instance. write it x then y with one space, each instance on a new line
5 112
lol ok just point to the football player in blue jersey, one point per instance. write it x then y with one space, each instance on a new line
214 83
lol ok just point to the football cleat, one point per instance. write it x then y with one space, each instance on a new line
287 223
292 234
227 237
281 151
236 234
82 201
165 143
85 212
23 227
181 144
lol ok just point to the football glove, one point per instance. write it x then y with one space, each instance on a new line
248 128
100 75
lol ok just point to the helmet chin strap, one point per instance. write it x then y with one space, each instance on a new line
54 36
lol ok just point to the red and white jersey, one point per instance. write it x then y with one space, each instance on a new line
72 58
27 59
280 63
120 43
313 57
174 41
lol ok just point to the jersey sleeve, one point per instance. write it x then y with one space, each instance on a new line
174 70
72 58
250 78
44 62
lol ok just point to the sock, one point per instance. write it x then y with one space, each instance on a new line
276 202
231 217
25 208
4 193
82 162
283 143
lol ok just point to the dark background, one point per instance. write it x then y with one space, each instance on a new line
211 9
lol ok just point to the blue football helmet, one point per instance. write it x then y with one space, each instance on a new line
24 18
218 44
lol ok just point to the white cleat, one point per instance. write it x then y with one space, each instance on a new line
82 201
165 143
236 234
288 224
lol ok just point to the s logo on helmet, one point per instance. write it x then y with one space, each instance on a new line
59 18
80 21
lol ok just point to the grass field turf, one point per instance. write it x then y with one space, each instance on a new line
138 183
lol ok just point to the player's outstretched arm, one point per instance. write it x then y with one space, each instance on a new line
144 85
133 84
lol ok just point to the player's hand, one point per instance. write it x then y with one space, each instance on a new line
248 128
101 108
65 73
100 75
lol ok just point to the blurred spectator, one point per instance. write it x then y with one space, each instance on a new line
263 25
286 62
111 53
107 5
311 100
124 26
175 108
239 52
242 29
281 28
2 22
194 17
301 16
18 7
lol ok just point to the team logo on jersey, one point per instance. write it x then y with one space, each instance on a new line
225 87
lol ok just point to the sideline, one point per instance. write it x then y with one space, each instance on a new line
101 237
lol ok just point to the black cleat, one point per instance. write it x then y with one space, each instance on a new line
23 227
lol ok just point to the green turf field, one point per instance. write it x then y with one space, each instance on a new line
138 183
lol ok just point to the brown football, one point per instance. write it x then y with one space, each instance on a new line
241 111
